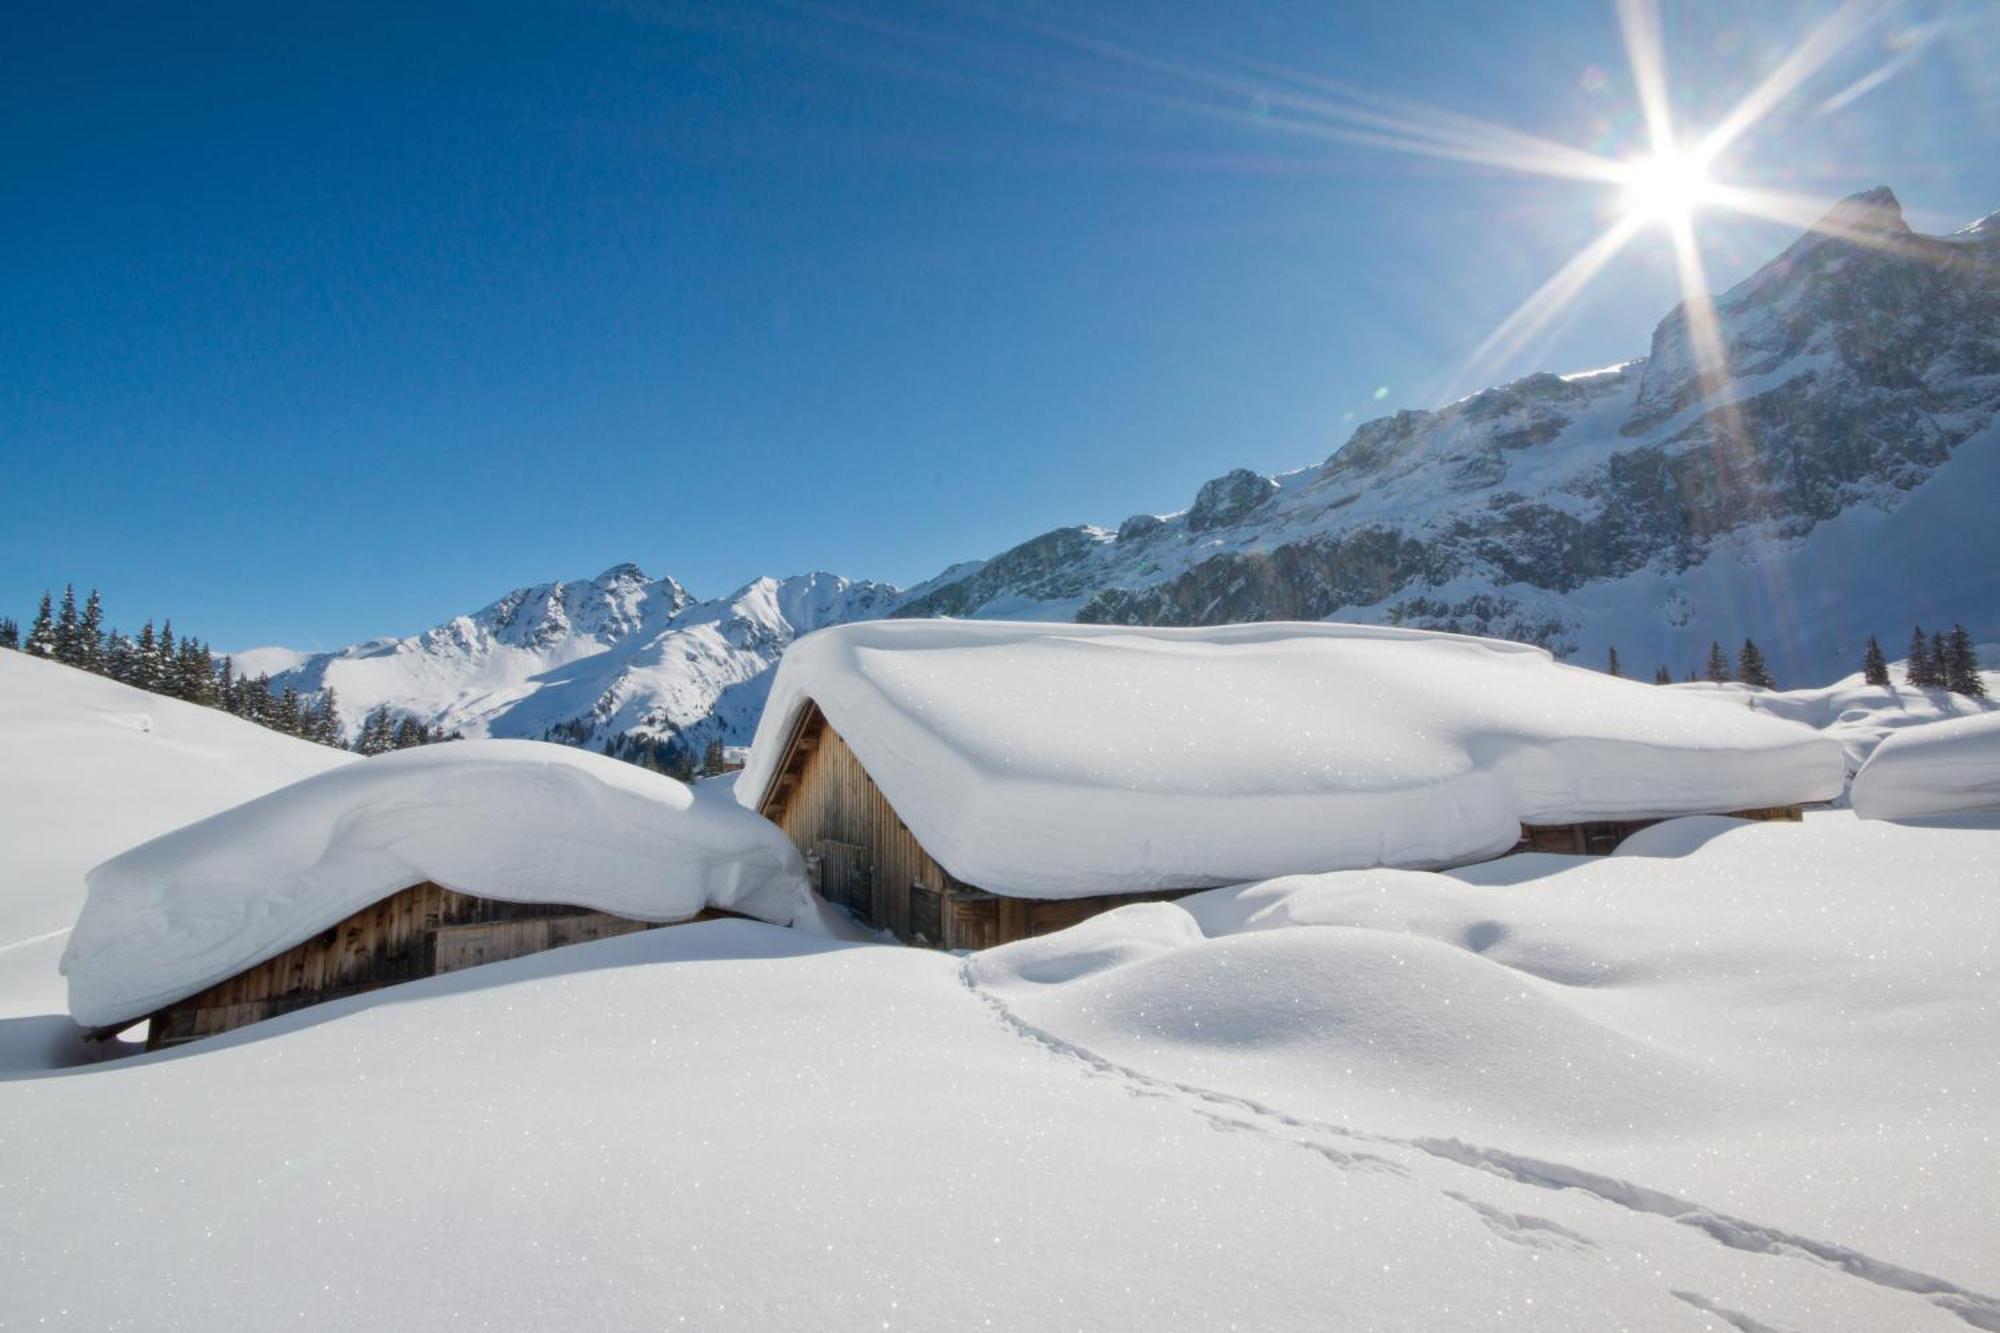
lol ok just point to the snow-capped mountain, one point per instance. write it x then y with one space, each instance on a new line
1833 478
619 657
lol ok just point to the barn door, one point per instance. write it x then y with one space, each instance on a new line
844 877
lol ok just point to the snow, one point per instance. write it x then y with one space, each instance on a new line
523 821
1856 714
1334 1102
1778 1021
595 658
91 768
1734 1077
1064 760
1934 770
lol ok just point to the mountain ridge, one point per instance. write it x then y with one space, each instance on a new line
1791 494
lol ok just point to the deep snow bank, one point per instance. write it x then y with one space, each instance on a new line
1780 1020
88 768
1934 770
518 820
1066 760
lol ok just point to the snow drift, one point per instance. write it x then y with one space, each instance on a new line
517 820
1050 761
1935 770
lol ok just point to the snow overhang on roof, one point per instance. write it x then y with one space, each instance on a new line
1057 760
522 821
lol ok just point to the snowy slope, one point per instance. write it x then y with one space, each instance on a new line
1858 715
1741 1081
521 821
92 768
591 660
1057 761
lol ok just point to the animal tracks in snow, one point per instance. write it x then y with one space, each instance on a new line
1351 1149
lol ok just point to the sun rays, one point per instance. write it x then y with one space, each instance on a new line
1678 178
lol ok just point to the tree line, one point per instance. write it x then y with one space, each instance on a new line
1937 661
184 667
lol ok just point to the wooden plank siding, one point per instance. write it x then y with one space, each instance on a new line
1601 837
420 931
862 856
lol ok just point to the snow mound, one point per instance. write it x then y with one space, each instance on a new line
1050 761
517 820
1935 770
1411 1025
1851 711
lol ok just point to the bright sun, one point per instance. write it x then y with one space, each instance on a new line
1666 187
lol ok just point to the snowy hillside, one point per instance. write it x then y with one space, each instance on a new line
1734 1078
92 768
1836 483
591 660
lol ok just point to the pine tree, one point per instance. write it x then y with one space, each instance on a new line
167 663
1940 662
1718 663
42 634
69 638
1662 676
1874 666
328 716
409 733
288 716
145 673
377 732
10 633
1917 671
1750 667
227 692
91 632
713 761
1611 666
1962 665
118 656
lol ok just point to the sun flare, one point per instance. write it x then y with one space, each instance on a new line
1666 187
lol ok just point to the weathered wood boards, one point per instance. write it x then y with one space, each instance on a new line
1601 837
422 931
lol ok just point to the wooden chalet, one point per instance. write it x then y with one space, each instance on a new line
425 930
860 855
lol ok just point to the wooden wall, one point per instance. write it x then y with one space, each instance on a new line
420 931
1601 837
864 858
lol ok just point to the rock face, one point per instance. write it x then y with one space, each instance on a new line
1807 487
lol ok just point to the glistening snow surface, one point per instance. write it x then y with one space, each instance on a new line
1933 770
522 821
1376 1101
1060 761
735 1126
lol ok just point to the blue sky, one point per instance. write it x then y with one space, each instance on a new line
320 322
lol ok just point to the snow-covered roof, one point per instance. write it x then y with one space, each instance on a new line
1054 761
522 821
1938 769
